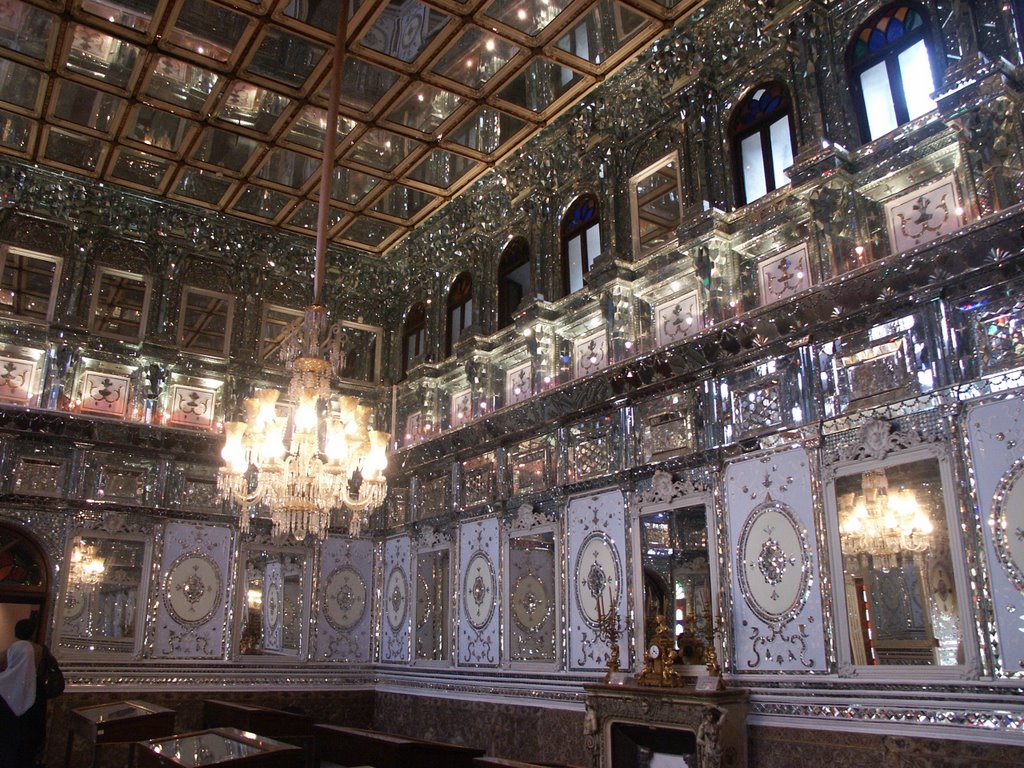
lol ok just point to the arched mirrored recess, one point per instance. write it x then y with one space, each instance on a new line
103 597
671 543
24 583
274 610
898 564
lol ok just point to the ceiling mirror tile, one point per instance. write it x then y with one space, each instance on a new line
181 85
539 86
369 233
196 185
131 17
403 202
309 129
442 169
142 170
365 87
304 218
103 59
351 186
251 108
158 131
84 108
487 131
286 59
209 31
288 169
27 32
382 150
475 58
72 151
404 30
260 202
529 17
21 87
424 108
604 31
224 150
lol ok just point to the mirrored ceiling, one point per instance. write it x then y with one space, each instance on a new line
224 104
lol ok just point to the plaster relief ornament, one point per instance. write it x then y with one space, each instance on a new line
1007 523
478 590
345 598
192 589
396 593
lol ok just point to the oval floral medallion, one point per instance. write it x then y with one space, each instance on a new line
1008 523
598 576
395 598
478 591
774 563
344 598
192 589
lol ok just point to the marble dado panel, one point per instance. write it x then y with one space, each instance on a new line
596 562
396 632
995 433
777 622
345 603
479 641
192 599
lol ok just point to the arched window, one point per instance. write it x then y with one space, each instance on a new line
460 309
762 141
24 584
414 336
513 279
581 241
891 70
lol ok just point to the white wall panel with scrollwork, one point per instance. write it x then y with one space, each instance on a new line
777 611
995 432
596 534
192 600
345 600
479 613
395 627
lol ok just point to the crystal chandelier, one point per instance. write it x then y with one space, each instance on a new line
324 456
883 522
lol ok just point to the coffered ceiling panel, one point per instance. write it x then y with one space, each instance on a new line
223 103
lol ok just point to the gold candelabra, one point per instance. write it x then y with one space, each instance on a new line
608 628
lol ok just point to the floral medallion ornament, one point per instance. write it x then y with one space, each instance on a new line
530 603
478 591
1008 523
345 599
775 563
598 576
192 589
396 598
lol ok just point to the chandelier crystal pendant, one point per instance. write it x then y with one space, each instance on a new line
87 566
324 456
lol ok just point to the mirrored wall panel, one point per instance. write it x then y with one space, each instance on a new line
275 608
104 595
677 578
898 575
433 592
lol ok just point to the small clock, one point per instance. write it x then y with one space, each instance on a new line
659 659
654 651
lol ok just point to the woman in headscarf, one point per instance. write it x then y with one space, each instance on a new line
22 710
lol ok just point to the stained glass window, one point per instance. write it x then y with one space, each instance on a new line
762 142
581 241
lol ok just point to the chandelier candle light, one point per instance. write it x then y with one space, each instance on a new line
321 458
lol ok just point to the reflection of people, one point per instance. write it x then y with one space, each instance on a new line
22 705
709 750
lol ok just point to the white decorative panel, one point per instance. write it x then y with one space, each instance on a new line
191 406
462 408
104 393
678 318
777 621
519 383
17 380
923 215
346 586
479 617
784 274
193 595
596 565
996 434
395 634
590 353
